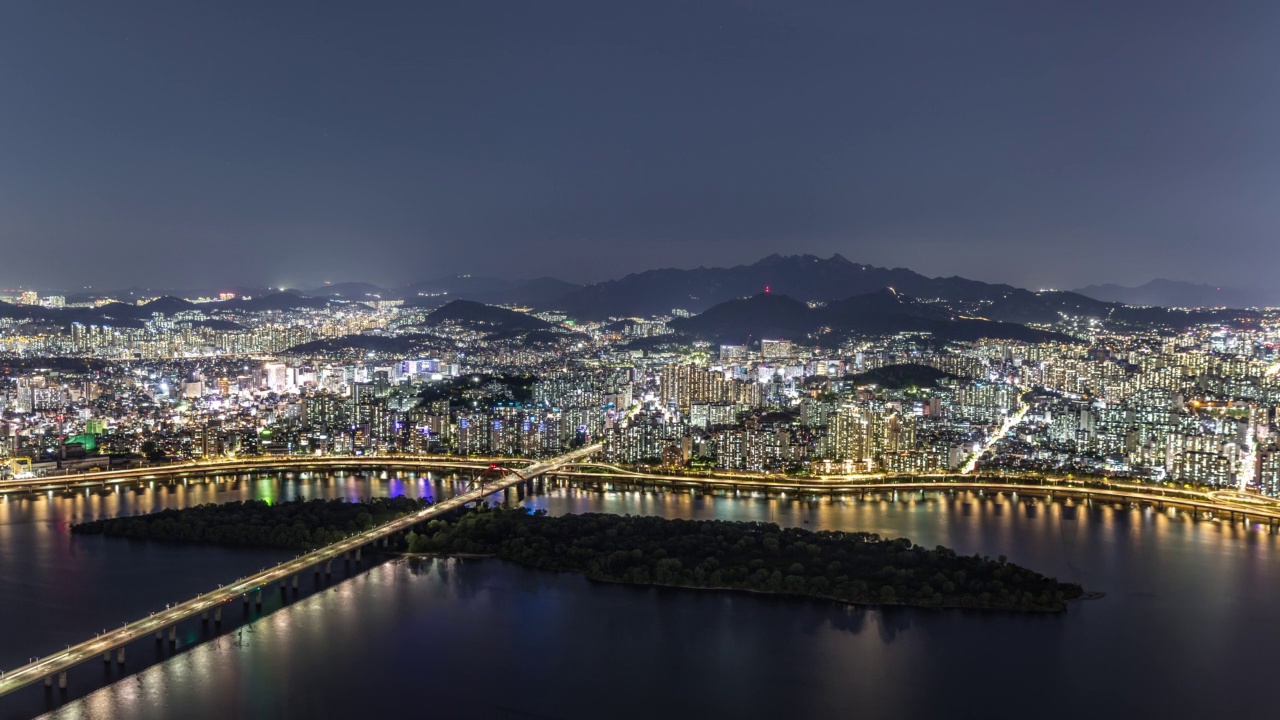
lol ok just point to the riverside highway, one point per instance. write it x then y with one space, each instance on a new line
57 663
100 478
1209 500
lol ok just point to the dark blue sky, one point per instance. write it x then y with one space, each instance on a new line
1044 144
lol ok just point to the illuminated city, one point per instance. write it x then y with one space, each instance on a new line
646 360
1187 403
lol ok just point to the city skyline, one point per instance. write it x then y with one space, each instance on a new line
738 358
1042 147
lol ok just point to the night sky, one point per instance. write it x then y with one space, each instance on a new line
171 143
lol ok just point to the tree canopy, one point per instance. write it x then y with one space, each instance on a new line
300 524
750 556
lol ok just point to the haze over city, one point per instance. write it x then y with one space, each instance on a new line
232 143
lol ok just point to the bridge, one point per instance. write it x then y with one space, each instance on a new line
57 665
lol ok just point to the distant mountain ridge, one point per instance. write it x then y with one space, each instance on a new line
1178 294
884 312
804 277
832 281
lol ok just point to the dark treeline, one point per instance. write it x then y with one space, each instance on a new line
298 524
761 557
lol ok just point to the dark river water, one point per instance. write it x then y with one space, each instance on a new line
1189 626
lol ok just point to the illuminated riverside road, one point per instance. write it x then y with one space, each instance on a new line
55 665
1207 501
1220 503
242 465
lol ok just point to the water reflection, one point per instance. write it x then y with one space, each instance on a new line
481 638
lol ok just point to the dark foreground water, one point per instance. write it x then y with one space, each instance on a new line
1188 628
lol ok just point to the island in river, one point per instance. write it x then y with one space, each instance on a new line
293 524
857 568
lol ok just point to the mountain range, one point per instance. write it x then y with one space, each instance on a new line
886 311
658 291
1177 294
951 306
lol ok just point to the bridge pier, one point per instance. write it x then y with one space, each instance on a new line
106 657
217 615
120 655
328 569
160 635
295 584
62 680
357 556
204 617
173 635
257 598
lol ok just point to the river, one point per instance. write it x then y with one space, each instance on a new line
1185 629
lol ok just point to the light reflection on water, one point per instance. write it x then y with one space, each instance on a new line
1185 599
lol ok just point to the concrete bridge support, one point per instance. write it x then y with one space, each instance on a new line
217 615
106 657
120 655
173 635
295 584
358 556
257 598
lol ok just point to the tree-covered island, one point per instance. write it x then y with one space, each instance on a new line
857 568
294 524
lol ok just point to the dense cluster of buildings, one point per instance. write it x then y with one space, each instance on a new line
1195 406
